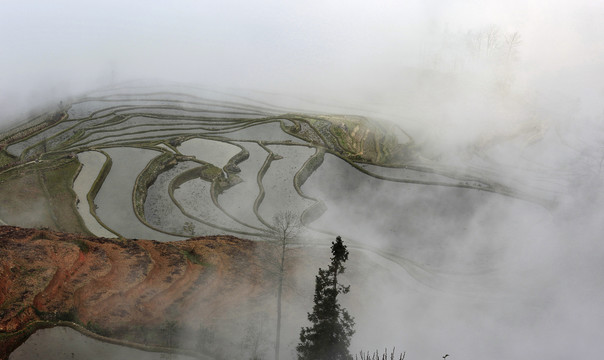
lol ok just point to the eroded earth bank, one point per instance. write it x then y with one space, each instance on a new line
133 292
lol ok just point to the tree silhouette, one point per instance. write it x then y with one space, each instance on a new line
329 336
285 230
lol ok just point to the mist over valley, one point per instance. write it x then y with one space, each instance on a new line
146 151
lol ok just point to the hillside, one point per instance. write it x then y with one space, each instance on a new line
140 162
129 290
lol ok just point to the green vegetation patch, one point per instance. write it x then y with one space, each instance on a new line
194 257
6 158
304 129
366 141
210 172
352 137
83 245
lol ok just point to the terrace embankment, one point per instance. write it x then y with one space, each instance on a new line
124 289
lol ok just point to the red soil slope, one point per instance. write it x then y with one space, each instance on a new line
124 289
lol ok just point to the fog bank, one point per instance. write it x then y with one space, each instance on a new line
504 278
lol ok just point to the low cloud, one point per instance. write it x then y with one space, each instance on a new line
498 277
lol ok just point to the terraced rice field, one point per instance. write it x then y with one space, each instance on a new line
165 165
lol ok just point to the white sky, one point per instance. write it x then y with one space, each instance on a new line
48 49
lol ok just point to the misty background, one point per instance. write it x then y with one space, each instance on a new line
533 116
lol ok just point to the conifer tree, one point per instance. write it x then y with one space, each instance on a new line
329 335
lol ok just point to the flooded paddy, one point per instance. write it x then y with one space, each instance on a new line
263 132
191 111
238 201
160 210
18 148
217 153
114 199
138 137
134 132
92 163
151 119
64 343
278 182
195 198
85 108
